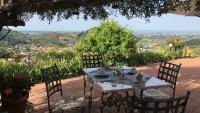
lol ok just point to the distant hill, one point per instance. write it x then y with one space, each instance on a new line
193 42
13 38
42 38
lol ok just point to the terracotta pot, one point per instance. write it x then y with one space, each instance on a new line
15 105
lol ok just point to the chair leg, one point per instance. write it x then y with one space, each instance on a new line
91 88
82 110
141 94
89 106
84 88
49 106
84 84
130 100
174 93
102 98
101 109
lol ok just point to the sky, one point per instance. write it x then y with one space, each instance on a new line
165 22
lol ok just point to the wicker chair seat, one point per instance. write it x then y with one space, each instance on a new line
155 93
151 93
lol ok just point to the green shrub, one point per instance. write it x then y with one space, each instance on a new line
69 63
55 54
65 60
115 42
149 57
177 45
8 69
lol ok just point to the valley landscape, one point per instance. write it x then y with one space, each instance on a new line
44 40
34 49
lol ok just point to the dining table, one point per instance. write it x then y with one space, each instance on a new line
113 80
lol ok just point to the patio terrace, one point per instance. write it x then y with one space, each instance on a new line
188 79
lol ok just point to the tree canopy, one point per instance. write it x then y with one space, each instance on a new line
94 9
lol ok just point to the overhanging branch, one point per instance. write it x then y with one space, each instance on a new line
1 38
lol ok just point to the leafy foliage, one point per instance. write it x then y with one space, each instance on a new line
52 54
7 69
148 57
66 60
16 86
177 43
95 9
110 39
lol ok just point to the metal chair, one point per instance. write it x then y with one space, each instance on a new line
168 72
172 105
52 78
91 60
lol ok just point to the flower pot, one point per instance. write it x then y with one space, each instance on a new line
15 105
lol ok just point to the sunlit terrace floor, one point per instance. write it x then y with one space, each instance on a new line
188 79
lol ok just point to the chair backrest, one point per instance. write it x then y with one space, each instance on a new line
52 78
169 72
92 60
174 105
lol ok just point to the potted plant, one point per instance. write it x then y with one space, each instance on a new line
15 92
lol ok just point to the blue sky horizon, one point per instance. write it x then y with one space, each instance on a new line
165 22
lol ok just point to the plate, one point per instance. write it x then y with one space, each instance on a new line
101 75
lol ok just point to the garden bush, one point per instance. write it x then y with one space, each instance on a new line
55 54
150 57
69 64
7 69
177 46
68 68
66 61
115 42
